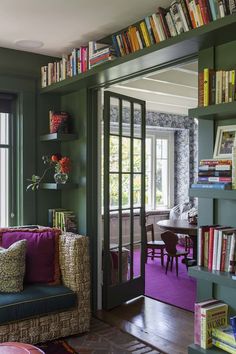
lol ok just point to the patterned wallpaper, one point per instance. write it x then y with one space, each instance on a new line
186 140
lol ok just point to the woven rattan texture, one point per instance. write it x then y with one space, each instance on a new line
75 271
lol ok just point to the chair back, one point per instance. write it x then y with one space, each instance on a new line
149 228
171 241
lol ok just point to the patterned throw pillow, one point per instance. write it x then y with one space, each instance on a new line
12 265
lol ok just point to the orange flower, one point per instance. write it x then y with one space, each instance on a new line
64 164
54 158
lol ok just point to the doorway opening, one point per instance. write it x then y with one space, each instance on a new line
171 154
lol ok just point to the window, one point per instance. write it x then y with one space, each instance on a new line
159 169
6 161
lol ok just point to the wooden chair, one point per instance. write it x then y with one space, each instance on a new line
171 240
153 246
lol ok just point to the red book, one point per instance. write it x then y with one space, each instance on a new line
162 13
223 253
210 248
204 11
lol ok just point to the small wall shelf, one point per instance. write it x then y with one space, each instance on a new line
56 186
221 278
58 137
212 193
195 349
217 111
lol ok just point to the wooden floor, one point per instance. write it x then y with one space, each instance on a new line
166 327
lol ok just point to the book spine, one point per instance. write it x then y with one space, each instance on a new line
200 247
154 30
162 13
149 28
220 239
220 334
211 186
223 253
232 254
171 25
222 345
206 87
215 179
182 16
212 78
186 14
145 34
215 162
227 253
201 89
176 17
210 248
215 249
191 13
206 247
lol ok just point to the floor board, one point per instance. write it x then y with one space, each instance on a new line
166 327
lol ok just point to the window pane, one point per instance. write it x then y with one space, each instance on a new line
137 190
125 154
161 182
114 153
164 144
114 110
4 128
137 120
114 191
148 181
126 118
137 155
125 191
4 187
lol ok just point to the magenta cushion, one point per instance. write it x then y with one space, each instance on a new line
40 253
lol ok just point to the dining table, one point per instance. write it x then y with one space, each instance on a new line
183 227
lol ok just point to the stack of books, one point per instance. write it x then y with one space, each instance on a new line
98 54
223 338
216 248
63 219
208 315
216 87
214 174
77 62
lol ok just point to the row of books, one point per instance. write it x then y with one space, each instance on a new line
214 174
181 16
224 338
208 315
216 87
217 248
78 61
62 219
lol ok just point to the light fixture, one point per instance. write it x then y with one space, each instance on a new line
29 44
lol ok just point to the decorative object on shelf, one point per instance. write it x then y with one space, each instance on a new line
59 122
224 141
62 167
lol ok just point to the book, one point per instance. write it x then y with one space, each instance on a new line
224 334
212 316
197 318
224 346
206 87
223 186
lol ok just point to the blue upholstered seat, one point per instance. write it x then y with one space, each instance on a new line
35 300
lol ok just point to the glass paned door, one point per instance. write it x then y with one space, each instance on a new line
124 199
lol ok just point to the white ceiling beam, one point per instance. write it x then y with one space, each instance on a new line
174 77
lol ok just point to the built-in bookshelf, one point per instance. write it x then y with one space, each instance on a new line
57 186
216 111
195 349
58 137
212 193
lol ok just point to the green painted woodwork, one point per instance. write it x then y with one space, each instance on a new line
148 59
195 349
221 278
212 193
219 111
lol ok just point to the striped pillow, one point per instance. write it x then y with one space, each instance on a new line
12 265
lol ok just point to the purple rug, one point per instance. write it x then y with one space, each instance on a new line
178 291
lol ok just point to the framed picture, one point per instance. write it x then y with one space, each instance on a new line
224 142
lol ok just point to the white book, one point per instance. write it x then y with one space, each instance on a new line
231 253
220 238
160 32
199 246
215 248
139 39
183 19
171 25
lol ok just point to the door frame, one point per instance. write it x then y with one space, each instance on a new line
92 168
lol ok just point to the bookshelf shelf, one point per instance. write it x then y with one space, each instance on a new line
221 278
213 194
58 137
217 111
195 349
187 44
56 186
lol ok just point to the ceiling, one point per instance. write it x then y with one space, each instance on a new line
172 90
63 25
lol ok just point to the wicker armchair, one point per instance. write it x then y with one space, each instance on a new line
75 270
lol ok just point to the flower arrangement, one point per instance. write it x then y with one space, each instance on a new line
62 166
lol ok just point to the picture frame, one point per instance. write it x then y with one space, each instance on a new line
224 142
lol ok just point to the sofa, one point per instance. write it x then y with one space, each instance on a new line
63 311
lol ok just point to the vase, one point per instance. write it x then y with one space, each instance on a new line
60 177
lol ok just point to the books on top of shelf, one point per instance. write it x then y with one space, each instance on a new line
62 219
217 248
214 174
181 16
208 315
216 87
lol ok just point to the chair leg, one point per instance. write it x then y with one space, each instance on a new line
167 263
171 264
162 257
177 266
153 253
